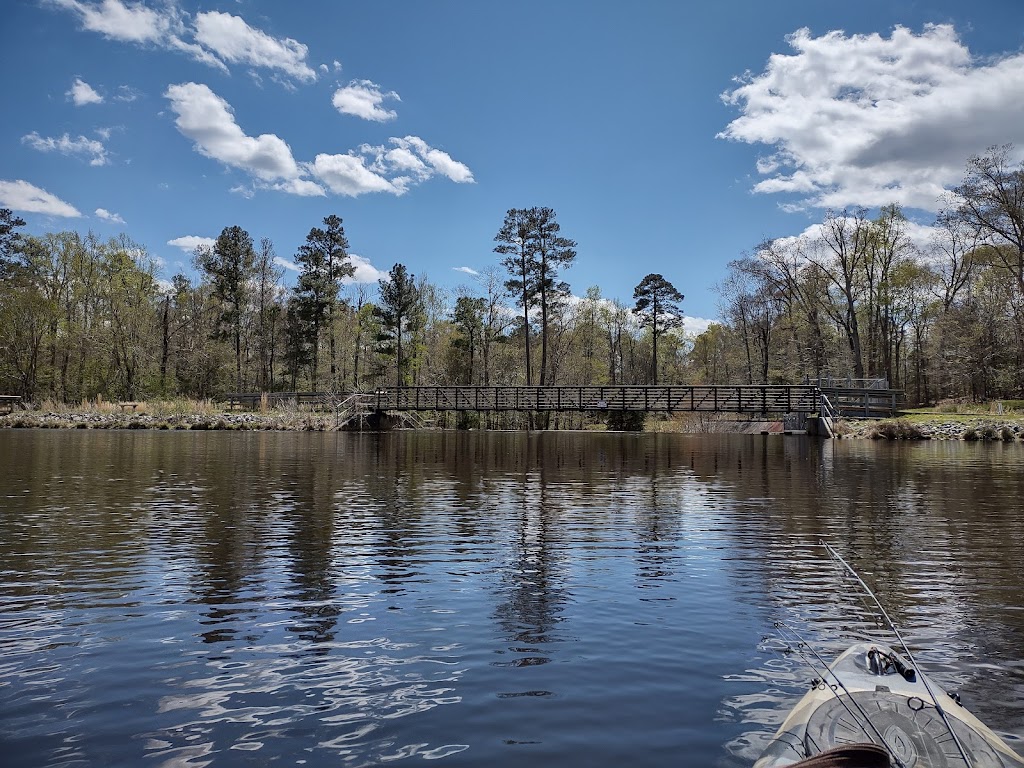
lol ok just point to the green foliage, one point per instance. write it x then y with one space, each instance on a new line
10 239
626 421
398 314
468 319
324 261
530 239
657 307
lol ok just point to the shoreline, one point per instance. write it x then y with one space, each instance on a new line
965 428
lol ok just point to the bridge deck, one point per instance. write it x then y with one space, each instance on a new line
667 398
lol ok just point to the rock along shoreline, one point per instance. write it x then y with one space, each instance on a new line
963 428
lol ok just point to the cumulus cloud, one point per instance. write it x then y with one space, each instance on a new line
212 37
300 187
66 145
232 40
467 270
82 93
348 175
106 215
21 196
438 161
365 271
205 118
291 266
208 120
116 20
695 326
410 160
364 99
869 120
189 243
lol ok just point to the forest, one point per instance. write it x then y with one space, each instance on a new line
856 296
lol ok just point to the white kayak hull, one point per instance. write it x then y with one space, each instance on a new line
878 704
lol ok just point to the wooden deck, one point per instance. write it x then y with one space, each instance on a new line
756 399
855 403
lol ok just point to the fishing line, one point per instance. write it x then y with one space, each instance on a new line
889 622
802 645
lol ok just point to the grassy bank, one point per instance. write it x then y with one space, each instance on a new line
989 422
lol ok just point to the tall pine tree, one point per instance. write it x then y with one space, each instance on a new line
657 305
325 264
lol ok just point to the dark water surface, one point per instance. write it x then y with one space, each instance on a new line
185 599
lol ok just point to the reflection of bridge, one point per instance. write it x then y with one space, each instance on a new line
720 398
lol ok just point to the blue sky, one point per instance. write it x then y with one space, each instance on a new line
421 123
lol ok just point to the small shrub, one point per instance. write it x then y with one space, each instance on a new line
626 421
987 432
897 429
970 435
1006 434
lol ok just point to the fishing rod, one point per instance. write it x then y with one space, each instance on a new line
846 700
889 622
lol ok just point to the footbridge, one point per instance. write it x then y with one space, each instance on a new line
716 398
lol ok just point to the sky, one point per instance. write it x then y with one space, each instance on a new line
670 137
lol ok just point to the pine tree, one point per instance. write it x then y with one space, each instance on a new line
325 264
657 305
397 313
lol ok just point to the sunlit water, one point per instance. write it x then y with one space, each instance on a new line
184 599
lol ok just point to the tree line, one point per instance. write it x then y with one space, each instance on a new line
83 318
859 298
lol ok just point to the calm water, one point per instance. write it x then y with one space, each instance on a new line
184 599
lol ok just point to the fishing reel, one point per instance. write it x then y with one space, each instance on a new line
881 663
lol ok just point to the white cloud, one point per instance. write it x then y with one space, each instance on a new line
289 265
440 162
365 271
189 243
21 196
364 99
82 93
106 215
695 326
208 120
348 175
91 148
216 37
869 120
234 41
410 161
126 93
467 270
300 187
116 20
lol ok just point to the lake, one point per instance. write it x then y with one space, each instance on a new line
499 599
